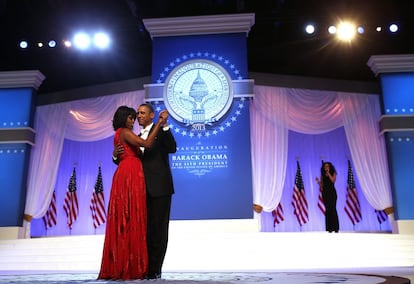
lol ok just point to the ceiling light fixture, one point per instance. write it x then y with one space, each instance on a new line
82 41
346 31
23 44
310 29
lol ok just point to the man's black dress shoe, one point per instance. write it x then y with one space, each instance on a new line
153 276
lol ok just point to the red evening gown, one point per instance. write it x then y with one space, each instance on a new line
125 254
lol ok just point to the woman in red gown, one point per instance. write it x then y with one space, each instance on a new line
124 254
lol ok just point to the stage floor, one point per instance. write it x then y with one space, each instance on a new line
213 278
223 252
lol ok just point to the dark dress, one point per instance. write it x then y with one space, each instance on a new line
329 197
125 249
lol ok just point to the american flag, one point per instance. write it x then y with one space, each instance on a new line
352 207
321 204
71 205
300 205
278 214
98 202
381 216
50 217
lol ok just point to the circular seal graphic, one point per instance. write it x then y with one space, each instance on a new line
198 91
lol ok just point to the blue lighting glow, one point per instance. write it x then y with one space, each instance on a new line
398 92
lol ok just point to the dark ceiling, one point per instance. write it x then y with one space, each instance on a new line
276 43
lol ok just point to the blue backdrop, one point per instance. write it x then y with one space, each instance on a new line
16 111
398 100
212 172
212 168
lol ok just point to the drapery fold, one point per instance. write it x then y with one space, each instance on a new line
91 119
50 127
269 142
361 115
312 112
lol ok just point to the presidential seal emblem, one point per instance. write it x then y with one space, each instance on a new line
198 92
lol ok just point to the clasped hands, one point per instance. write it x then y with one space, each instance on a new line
163 117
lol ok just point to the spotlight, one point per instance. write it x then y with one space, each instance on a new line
332 30
67 43
40 44
360 29
101 40
52 43
393 28
23 44
81 41
378 29
310 29
346 31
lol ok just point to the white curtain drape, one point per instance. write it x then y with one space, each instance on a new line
276 110
360 116
268 116
83 120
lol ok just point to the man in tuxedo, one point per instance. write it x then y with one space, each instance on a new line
159 184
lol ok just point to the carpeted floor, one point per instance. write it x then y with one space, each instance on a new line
209 278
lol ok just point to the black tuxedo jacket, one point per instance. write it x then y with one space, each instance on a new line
155 162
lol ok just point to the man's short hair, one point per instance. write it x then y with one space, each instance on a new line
149 106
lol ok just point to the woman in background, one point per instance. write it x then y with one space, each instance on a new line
329 196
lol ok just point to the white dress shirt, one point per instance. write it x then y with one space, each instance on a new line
144 134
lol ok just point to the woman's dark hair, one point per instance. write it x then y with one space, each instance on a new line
331 168
121 115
